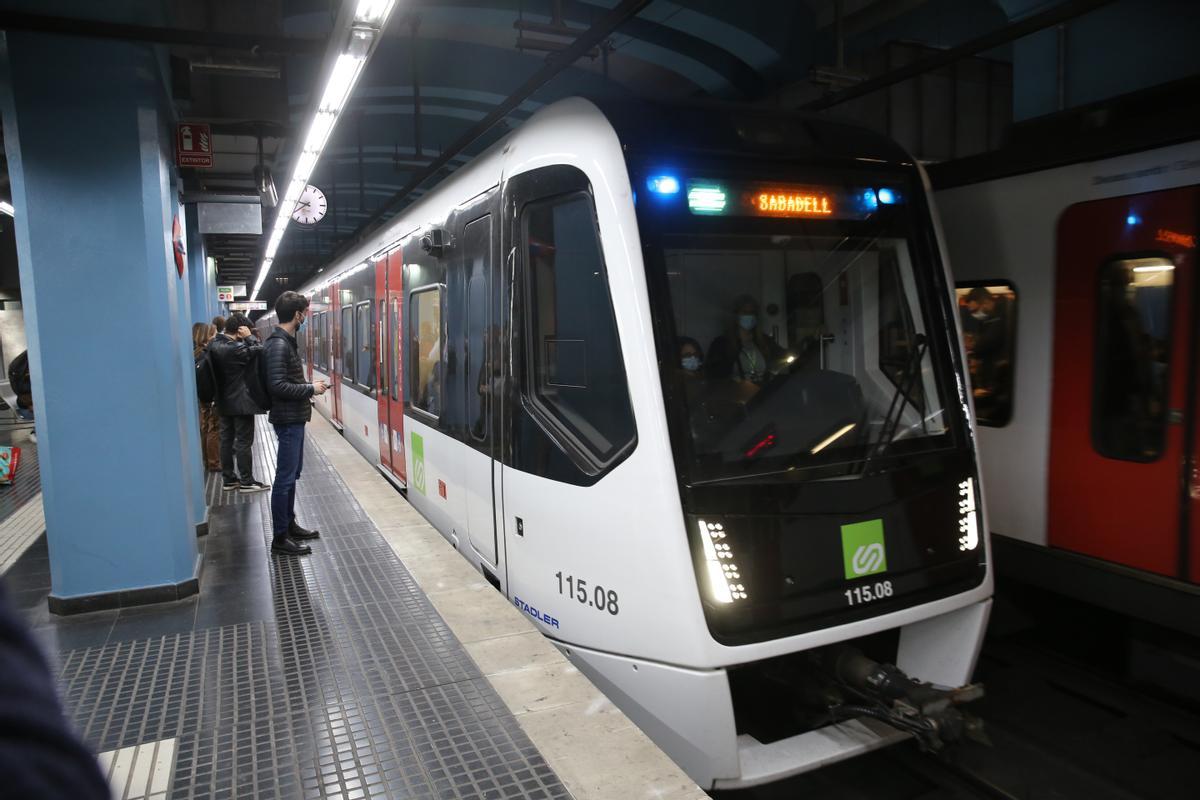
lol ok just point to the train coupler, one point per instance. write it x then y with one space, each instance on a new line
883 692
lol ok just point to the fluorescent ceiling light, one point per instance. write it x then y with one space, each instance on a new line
373 11
1158 268
341 82
7 208
370 16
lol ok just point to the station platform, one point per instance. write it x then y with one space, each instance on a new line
382 665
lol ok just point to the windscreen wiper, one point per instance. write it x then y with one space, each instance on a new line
891 420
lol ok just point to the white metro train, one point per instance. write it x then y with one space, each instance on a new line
686 386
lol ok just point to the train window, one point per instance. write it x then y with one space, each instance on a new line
347 336
577 375
396 344
323 350
989 322
482 380
364 320
327 341
898 342
1133 330
425 319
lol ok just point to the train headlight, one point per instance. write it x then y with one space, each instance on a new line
724 578
663 184
968 517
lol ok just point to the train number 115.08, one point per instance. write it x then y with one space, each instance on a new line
868 592
596 596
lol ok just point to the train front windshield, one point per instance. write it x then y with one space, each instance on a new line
804 346
808 360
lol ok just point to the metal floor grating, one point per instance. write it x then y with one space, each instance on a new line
264 470
325 676
20 530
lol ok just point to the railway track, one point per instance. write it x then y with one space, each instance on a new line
1059 729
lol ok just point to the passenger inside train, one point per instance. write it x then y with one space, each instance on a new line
873 378
988 323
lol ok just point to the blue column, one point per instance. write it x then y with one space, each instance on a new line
197 269
197 501
86 130
214 306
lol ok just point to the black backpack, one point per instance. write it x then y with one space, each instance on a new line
256 380
206 378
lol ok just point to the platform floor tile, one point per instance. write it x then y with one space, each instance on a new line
329 676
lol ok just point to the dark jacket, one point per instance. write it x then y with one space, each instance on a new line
40 756
285 380
230 358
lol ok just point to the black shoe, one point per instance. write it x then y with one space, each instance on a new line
286 547
231 486
252 486
298 533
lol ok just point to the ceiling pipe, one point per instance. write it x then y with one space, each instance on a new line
555 63
98 29
1055 16
239 69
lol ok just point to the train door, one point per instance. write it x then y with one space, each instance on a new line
336 368
476 260
382 374
567 418
391 401
1122 483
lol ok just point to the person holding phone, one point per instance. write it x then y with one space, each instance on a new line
290 412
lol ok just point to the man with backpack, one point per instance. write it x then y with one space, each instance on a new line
235 354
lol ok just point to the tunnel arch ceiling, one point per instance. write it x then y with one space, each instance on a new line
465 58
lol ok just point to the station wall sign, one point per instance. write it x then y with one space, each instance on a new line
193 145
225 294
249 305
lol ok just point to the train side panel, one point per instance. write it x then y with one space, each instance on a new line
1006 229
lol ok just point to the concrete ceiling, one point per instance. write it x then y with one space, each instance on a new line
249 69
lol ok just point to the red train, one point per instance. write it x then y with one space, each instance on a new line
1079 297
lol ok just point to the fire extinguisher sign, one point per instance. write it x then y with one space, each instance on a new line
193 145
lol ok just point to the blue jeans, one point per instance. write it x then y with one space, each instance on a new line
288 464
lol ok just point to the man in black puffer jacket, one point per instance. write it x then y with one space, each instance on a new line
232 353
290 412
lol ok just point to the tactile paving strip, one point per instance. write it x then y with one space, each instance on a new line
349 686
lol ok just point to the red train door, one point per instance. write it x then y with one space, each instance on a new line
383 364
335 352
395 348
1124 411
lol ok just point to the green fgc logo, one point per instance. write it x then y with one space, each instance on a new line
863 551
418 459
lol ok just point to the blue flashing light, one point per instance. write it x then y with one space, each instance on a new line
870 200
1133 219
663 184
887 196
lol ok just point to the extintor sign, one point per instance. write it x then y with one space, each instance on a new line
193 145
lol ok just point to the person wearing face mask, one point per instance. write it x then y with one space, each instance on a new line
691 357
744 353
290 412
984 331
